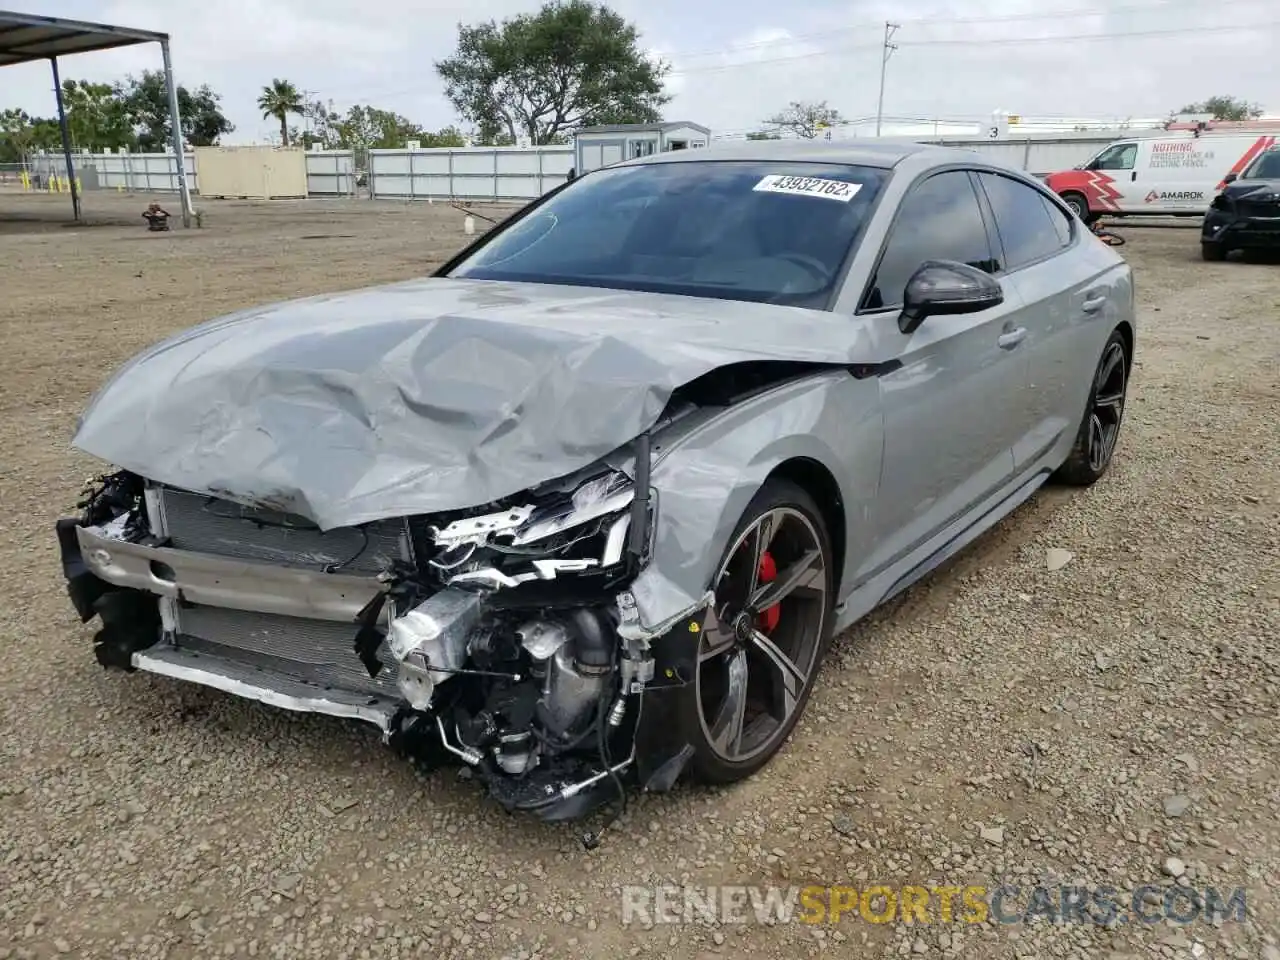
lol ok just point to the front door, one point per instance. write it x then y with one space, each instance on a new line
955 405
1122 177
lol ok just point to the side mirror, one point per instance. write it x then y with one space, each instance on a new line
946 288
1231 178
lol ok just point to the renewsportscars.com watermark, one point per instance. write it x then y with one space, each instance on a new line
1005 904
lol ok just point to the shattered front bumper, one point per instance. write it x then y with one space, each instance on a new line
311 639
137 587
1242 231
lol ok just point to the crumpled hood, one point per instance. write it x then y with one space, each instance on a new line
424 396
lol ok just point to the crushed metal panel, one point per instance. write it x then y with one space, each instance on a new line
428 396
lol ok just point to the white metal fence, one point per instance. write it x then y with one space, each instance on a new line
515 173
489 173
1035 155
470 173
330 173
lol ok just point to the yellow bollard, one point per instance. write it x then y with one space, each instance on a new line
26 180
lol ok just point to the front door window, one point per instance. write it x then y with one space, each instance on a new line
1119 156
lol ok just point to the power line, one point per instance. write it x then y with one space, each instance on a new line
1171 32
977 43
975 21
1005 41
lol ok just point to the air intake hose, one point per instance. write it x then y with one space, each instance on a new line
592 646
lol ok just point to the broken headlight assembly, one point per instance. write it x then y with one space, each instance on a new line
505 635
584 530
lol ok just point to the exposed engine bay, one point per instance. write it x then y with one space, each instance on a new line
503 638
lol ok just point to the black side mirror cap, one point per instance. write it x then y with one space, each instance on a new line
947 288
1231 178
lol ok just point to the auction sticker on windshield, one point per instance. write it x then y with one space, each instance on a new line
809 187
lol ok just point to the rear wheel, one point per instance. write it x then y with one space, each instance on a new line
1213 252
759 654
1100 429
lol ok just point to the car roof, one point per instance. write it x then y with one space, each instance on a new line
870 154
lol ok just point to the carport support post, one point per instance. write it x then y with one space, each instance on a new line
175 122
66 139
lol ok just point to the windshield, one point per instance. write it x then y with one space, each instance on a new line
733 230
1265 167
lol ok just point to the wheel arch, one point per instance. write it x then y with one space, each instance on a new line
813 477
1125 329
824 433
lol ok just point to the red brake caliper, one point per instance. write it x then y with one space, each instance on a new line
769 573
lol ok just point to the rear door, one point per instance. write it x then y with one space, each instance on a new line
1064 293
954 406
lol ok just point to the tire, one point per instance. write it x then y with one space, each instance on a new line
736 668
1099 430
1213 252
1078 204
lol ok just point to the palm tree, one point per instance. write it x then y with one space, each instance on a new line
279 100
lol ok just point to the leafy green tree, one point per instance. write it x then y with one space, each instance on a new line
541 75
147 104
1225 108
22 134
97 118
279 99
805 120
321 126
365 128
444 137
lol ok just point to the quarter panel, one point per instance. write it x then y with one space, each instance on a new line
704 479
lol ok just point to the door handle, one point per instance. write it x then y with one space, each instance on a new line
1134 175
1093 304
1011 338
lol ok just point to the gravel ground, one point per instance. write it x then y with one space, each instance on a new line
1106 722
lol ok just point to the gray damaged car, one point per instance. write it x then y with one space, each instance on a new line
583 509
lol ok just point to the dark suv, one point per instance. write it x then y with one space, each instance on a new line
1246 214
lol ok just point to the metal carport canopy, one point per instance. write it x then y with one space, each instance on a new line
26 37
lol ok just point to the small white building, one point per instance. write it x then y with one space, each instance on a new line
596 147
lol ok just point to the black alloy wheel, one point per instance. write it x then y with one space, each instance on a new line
1100 431
759 654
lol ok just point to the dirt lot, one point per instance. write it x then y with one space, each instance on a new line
1068 713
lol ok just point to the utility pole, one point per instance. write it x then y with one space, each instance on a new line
306 111
885 53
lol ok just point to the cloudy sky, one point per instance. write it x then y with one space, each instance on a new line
734 61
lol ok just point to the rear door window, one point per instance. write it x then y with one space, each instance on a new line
1060 219
1022 220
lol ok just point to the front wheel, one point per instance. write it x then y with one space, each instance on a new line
1078 204
1213 252
759 654
1100 430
